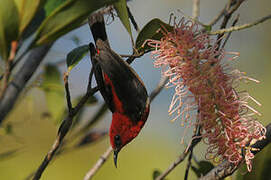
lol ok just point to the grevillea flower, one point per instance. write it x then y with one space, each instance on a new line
206 89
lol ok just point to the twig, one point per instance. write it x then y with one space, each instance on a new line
64 128
196 135
68 96
133 20
196 9
226 168
238 28
67 122
188 165
195 141
130 56
98 164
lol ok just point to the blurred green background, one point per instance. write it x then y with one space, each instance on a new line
158 145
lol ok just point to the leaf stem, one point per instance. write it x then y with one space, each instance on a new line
244 26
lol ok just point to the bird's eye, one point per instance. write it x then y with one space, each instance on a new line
117 141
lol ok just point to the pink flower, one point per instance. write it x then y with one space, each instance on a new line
206 87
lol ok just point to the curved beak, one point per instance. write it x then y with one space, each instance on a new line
116 152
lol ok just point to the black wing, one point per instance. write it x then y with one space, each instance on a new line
105 90
128 86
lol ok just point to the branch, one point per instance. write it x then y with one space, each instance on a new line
64 128
244 26
15 87
133 21
98 164
68 95
188 165
226 168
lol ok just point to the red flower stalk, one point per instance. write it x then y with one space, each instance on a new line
206 88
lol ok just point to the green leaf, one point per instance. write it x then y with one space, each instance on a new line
27 11
54 92
9 26
121 8
151 31
51 5
75 56
66 17
203 168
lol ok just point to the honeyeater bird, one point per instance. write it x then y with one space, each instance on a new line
123 92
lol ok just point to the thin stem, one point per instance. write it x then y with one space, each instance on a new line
98 164
64 129
238 28
133 21
68 96
188 164
130 56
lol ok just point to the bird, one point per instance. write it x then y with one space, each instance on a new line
124 93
